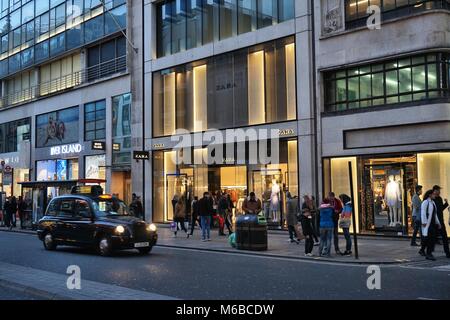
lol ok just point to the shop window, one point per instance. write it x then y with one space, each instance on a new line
95 121
121 128
95 167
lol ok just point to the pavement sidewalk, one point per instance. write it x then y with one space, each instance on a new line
372 250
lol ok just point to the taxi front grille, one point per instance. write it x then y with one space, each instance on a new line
140 232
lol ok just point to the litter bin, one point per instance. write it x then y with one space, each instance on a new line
251 232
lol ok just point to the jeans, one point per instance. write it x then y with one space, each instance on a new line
326 235
336 237
292 233
348 239
429 242
205 222
417 229
309 244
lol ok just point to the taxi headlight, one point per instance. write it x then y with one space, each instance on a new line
151 227
120 229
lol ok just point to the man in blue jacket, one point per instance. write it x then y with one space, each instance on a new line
326 227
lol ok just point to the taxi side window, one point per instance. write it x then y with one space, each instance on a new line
66 208
82 209
53 208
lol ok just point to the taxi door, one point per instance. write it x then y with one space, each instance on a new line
81 226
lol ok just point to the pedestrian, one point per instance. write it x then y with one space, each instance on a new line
180 216
205 211
308 231
229 214
13 208
6 213
326 227
416 204
21 208
310 206
222 207
441 205
136 207
194 215
345 221
291 217
337 206
430 225
252 205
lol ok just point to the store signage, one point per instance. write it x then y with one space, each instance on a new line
286 132
141 155
98 145
66 149
158 145
116 146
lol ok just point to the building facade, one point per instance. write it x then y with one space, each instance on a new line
384 105
65 83
217 66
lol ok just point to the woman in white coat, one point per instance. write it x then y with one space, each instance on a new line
430 225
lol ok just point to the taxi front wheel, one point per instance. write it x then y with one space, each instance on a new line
105 247
49 242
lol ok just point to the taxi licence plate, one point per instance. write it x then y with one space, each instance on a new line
141 244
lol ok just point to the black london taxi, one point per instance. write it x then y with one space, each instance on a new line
88 218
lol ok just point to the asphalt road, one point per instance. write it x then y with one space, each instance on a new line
190 274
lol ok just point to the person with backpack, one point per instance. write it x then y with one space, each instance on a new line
327 212
345 221
430 225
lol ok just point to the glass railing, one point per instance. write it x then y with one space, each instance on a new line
69 81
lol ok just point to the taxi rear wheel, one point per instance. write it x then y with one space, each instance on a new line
145 251
105 247
49 242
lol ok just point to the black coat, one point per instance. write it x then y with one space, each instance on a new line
440 207
306 225
205 207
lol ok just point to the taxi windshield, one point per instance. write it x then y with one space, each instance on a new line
111 207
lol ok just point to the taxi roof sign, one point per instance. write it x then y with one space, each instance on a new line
88 190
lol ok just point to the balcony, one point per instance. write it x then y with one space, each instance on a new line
70 81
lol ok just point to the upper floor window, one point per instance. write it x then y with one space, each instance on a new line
95 121
13 133
107 58
405 79
252 86
186 24
356 10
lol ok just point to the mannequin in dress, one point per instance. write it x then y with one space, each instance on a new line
275 201
393 198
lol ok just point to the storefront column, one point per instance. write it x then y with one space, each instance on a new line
307 162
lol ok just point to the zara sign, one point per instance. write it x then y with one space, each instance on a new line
66 149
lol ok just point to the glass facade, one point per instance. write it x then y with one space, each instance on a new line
384 187
32 31
121 128
405 79
57 170
13 133
235 178
186 24
95 120
356 10
247 87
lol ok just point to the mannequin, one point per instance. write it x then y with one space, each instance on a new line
393 198
275 201
399 212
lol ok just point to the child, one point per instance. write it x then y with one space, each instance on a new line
308 231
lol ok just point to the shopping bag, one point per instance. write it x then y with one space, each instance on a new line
173 226
299 231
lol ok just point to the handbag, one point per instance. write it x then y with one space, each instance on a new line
299 231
